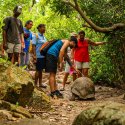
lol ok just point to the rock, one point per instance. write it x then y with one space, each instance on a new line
40 101
15 110
32 122
83 88
108 113
16 85
10 112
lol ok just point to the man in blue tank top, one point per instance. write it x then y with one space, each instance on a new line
57 52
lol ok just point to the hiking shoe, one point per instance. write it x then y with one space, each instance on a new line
53 95
62 89
58 94
43 85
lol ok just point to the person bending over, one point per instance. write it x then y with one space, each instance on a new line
57 52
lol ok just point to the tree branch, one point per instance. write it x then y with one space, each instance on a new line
89 21
33 2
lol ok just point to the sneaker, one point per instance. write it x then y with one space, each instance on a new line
53 95
62 89
43 85
58 94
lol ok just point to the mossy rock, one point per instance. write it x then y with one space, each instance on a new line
16 85
40 101
109 113
32 122
10 112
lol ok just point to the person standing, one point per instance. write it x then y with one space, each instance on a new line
81 53
24 60
37 41
57 52
13 40
67 66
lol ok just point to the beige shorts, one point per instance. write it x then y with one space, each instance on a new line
81 65
13 48
67 68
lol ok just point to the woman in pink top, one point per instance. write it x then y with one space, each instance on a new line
81 53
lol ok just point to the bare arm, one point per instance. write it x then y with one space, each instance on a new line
22 41
96 43
63 50
72 53
4 40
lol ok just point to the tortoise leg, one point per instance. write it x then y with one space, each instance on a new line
72 98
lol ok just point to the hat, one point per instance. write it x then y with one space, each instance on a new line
73 34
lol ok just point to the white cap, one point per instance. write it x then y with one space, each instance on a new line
73 34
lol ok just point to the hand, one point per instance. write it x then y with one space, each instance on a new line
60 66
72 60
34 59
5 46
78 72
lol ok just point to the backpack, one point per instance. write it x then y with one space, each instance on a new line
44 48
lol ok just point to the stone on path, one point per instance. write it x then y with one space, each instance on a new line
32 122
108 113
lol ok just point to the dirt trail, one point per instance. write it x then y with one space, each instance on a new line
65 111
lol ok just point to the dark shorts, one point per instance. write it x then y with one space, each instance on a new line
40 64
51 63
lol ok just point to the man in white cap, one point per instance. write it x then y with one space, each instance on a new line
13 40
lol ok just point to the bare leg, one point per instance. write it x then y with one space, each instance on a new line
65 79
36 77
52 83
80 75
10 56
85 72
40 78
74 76
16 58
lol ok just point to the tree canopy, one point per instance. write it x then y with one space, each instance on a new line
102 20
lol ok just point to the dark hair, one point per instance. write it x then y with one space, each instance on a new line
82 32
16 8
27 22
74 39
40 25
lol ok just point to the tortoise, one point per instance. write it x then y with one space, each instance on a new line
83 88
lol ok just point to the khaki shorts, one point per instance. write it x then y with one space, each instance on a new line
67 68
81 65
13 48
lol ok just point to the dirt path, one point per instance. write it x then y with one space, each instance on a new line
65 111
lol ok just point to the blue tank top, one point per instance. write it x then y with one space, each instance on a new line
55 48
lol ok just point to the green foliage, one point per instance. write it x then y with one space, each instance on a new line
105 13
108 61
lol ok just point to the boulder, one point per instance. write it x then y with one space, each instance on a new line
83 88
11 112
32 122
108 113
16 85
39 101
